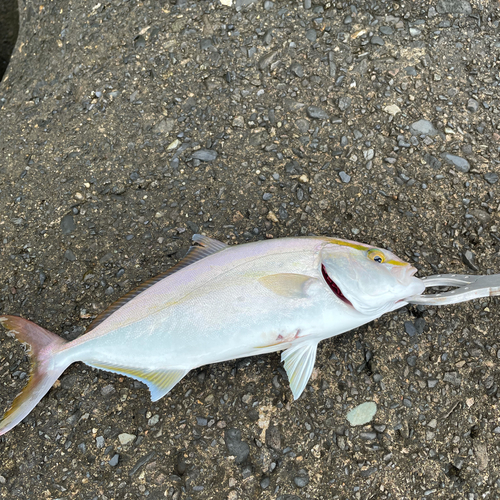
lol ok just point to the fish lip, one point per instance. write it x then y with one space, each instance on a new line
334 287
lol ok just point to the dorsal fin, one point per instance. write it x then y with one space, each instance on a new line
203 247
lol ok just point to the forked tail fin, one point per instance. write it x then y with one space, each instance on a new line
42 346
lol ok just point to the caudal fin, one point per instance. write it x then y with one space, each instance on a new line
42 346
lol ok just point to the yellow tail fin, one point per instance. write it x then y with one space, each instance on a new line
42 346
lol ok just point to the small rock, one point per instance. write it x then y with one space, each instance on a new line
344 103
114 461
238 122
236 446
316 113
376 40
423 127
205 155
491 177
410 328
67 224
453 378
472 105
99 441
311 35
265 483
267 196
126 438
297 69
108 390
164 127
411 360
362 414
386 30
461 164
415 32
480 215
302 479
454 7
344 177
469 259
273 437
392 109
69 255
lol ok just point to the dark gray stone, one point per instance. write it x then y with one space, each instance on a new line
344 103
68 224
453 7
423 127
461 164
344 177
236 446
316 113
472 105
205 155
491 177
410 328
376 40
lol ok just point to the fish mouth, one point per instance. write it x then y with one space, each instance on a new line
334 287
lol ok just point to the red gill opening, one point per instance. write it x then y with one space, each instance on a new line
333 286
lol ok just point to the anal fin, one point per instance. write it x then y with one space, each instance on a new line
159 381
299 361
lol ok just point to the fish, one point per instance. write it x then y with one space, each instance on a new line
222 302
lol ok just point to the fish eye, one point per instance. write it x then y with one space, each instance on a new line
376 255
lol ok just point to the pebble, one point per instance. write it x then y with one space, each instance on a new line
265 483
411 360
236 446
297 69
311 35
114 461
472 105
344 177
453 7
423 127
205 155
362 414
126 438
410 328
392 109
386 30
469 259
369 436
67 224
461 164
415 32
302 479
99 441
108 390
267 196
376 40
344 103
491 177
69 255
316 113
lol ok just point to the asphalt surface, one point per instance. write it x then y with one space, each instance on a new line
127 126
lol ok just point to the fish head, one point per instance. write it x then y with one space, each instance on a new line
371 280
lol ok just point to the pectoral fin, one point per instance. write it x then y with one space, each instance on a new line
299 363
159 382
286 284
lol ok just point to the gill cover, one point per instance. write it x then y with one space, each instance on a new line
374 280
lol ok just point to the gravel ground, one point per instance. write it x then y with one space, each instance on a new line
126 126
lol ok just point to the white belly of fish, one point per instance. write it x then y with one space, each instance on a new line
239 320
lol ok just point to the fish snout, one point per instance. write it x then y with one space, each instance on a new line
403 274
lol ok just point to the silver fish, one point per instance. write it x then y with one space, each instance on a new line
224 302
